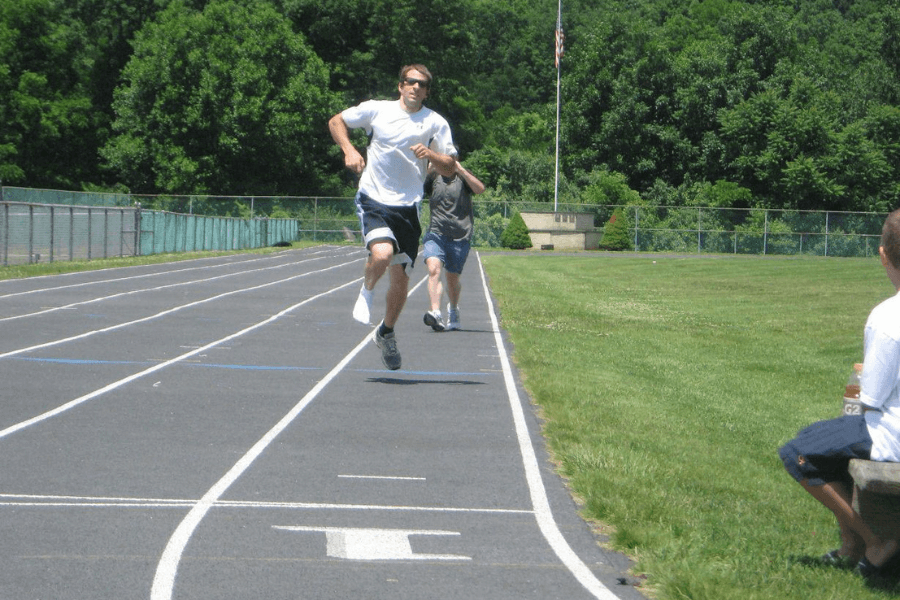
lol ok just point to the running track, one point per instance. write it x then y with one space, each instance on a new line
221 428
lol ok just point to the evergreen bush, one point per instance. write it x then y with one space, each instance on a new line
616 232
515 235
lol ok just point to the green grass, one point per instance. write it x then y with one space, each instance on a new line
666 390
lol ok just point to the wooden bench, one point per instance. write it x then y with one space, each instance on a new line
876 495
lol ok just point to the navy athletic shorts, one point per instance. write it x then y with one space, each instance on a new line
400 224
821 453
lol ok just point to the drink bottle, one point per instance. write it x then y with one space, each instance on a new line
852 405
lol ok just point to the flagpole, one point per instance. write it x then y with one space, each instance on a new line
559 45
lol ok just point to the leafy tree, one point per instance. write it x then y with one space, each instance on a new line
488 230
525 131
106 29
366 43
515 235
514 174
513 65
47 125
792 103
725 194
890 40
605 187
228 100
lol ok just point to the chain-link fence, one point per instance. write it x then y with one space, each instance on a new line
754 231
701 230
33 232
34 228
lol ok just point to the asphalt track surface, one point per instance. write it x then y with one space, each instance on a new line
221 428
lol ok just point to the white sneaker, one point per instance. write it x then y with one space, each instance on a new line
362 310
453 321
434 320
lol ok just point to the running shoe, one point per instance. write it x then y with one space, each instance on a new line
453 318
390 355
434 320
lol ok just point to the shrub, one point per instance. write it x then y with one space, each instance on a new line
515 235
616 232
489 230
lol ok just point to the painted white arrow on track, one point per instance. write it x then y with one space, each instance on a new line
374 544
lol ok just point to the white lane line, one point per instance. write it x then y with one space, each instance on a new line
72 305
114 279
116 384
539 500
164 580
141 276
170 311
38 500
388 477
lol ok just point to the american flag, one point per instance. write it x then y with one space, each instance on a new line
559 40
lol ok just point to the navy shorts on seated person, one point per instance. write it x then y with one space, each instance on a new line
821 453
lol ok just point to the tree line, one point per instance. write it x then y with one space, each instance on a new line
732 103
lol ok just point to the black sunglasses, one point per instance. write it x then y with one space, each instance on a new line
411 82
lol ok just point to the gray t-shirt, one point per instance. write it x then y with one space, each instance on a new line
451 207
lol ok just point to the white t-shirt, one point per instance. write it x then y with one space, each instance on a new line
880 381
393 175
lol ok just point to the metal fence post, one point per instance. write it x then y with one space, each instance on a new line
52 231
735 232
5 234
71 233
137 230
637 220
699 232
89 240
30 233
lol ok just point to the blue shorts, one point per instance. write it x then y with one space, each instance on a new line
452 253
821 453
